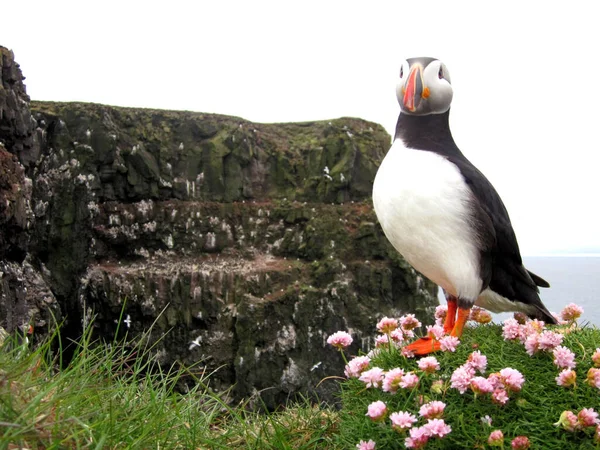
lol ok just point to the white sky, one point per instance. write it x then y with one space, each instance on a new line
526 78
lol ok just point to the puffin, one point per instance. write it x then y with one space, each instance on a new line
443 215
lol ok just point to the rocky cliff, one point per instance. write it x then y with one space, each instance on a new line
241 246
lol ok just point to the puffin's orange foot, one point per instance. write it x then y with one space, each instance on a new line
423 346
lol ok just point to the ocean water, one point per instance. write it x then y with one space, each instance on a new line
573 279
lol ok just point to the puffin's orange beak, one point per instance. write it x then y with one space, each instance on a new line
413 89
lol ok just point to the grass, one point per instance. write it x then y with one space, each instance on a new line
112 396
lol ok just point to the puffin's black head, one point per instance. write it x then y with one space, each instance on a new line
424 87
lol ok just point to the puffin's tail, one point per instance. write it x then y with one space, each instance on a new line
539 281
541 313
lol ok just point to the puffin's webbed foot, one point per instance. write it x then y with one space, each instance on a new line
423 346
457 316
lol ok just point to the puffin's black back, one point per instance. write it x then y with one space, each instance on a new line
501 265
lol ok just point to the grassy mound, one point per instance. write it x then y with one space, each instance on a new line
531 412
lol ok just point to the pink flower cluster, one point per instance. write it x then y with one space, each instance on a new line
403 421
532 335
419 436
587 417
499 384
398 331
535 337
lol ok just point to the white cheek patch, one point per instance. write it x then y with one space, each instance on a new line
441 93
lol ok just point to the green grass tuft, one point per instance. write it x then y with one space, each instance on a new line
113 396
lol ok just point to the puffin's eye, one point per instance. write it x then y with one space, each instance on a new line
401 71
441 73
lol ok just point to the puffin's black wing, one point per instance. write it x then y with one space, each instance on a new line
501 263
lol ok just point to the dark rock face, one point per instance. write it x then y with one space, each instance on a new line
240 246
25 296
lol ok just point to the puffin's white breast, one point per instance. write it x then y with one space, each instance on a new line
422 203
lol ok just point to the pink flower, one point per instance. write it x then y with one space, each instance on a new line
564 358
381 341
363 445
593 377
531 327
568 421
496 438
377 411
520 443
436 331
432 410
571 312
387 325
418 437
499 396
566 378
392 380
437 428
596 358
407 353
409 380
408 334
549 340
429 364
409 322
496 380
461 378
340 339
513 379
532 343
402 420
397 336
356 366
481 385
440 314
587 417
372 378
511 329
477 361
449 343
